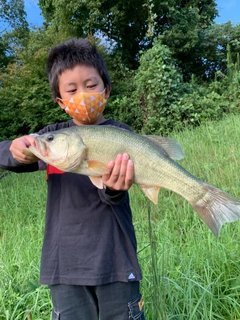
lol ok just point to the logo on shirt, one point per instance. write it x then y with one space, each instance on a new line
131 276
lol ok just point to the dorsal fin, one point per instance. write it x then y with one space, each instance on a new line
172 148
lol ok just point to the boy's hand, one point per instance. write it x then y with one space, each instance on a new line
121 173
18 149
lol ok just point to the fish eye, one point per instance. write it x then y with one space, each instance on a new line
50 138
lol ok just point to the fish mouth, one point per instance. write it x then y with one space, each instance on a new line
41 147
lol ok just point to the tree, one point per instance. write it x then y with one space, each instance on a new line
26 102
158 85
5 57
124 25
216 42
12 15
184 27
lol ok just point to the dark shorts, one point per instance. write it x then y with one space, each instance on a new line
114 301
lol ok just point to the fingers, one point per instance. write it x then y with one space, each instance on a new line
121 173
18 149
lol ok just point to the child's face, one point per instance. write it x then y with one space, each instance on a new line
77 80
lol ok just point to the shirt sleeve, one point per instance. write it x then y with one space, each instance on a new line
112 197
7 162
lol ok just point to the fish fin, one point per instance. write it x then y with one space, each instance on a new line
151 193
97 167
97 181
216 208
171 148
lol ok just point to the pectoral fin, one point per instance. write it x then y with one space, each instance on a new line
97 167
151 193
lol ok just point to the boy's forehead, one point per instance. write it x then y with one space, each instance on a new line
80 72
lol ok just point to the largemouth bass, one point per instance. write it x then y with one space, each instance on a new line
87 150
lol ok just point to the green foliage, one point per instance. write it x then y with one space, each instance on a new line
5 57
184 77
181 256
109 20
155 99
121 105
158 86
129 26
12 21
214 43
229 85
27 105
26 101
181 30
21 296
12 15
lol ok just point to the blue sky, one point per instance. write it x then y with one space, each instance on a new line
33 13
228 10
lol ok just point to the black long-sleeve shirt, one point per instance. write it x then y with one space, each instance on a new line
89 237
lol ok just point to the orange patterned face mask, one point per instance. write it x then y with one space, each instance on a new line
85 107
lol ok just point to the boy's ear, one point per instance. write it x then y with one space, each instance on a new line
60 103
107 92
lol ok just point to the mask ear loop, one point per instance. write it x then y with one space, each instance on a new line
61 103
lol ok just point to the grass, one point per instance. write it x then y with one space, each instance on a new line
188 273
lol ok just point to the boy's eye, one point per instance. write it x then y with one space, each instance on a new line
91 86
72 91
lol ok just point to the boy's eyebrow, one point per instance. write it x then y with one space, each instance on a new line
93 78
90 79
69 83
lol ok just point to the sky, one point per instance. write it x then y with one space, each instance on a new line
228 10
34 17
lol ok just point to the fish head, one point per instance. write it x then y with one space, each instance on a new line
63 149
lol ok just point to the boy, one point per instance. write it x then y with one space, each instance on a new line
89 255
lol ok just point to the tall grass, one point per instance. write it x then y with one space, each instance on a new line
22 199
188 273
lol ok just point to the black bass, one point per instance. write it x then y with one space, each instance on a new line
87 150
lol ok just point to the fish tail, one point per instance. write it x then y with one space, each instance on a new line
217 207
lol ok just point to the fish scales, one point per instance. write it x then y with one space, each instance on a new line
158 170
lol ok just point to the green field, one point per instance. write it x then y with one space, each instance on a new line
188 273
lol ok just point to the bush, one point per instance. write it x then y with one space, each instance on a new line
156 100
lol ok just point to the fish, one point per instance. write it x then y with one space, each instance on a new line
88 149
